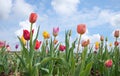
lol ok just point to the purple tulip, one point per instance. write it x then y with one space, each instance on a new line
16 46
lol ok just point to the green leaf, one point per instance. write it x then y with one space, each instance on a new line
87 70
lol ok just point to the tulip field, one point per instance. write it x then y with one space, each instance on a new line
52 58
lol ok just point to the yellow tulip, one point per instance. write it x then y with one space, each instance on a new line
46 35
23 40
110 44
97 45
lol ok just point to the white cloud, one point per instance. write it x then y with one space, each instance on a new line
5 8
65 7
115 20
20 7
25 25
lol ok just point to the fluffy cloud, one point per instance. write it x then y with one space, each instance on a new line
65 7
115 20
25 25
20 7
5 8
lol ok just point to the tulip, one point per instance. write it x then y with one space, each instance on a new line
46 35
55 41
81 29
108 63
101 38
110 44
2 44
16 46
33 17
37 44
85 43
62 47
55 31
96 45
8 48
26 35
116 33
116 43
23 40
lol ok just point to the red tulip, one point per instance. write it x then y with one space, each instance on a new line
116 33
116 43
33 17
108 63
81 29
37 44
62 47
26 34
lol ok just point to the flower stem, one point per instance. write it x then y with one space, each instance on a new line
78 46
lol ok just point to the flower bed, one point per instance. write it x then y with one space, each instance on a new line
51 58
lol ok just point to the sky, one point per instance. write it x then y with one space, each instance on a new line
102 17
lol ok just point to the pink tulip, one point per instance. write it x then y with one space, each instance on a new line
116 33
55 31
2 44
108 63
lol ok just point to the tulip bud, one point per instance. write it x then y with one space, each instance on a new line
108 63
16 46
101 38
116 33
55 31
55 41
116 43
37 44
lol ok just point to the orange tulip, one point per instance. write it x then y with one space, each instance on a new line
81 29
55 41
116 33
85 43
96 45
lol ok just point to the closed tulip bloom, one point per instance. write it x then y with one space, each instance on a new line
81 29
110 44
116 33
2 44
108 63
101 38
96 45
116 43
16 46
46 35
62 47
23 40
85 43
55 41
37 44
8 48
33 17
55 31
26 34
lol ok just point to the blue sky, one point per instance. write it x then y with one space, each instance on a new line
101 17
